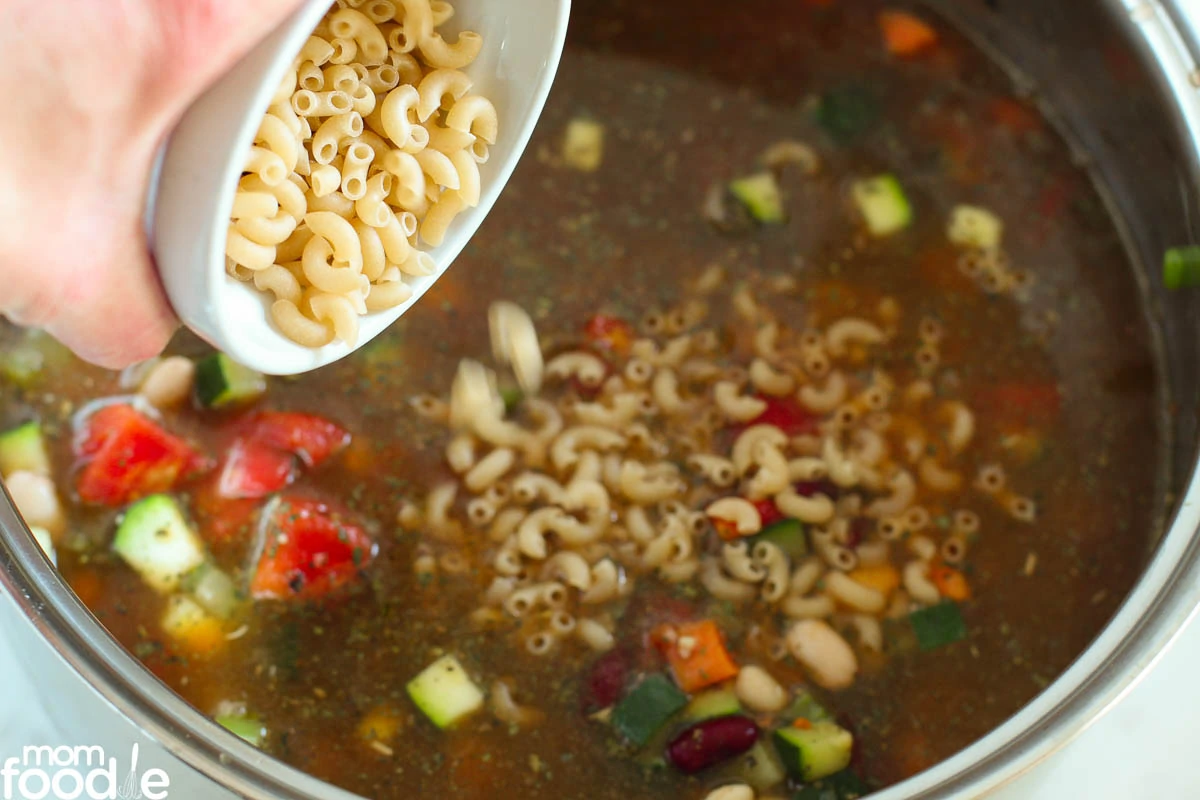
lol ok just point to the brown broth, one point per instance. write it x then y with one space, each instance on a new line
688 100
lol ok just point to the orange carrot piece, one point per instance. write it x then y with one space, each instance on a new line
87 585
883 578
905 34
359 456
951 583
699 658
802 724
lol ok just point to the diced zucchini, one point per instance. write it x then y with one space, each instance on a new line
445 693
512 397
847 112
213 589
938 625
222 382
43 538
788 535
813 753
188 623
760 767
713 703
247 726
844 785
805 706
647 708
23 449
1181 267
155 539
583 145
883 205
972 226
760 194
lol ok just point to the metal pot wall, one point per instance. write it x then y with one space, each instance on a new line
1144 148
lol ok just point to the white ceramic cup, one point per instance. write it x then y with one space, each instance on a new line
192 193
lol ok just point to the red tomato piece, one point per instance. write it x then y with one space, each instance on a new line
310 438
126 455
768 511
786 414
1026 401
310 549
221 519
609 333
255 469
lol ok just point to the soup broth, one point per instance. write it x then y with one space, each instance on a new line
1057 372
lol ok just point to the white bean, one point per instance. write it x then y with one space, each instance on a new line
169 382
734 791
759 691
822 651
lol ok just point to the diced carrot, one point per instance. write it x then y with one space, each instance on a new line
905 34
699 657
727 529
951 583
882 578
206 636
359 457
802 724
87 585
380 724
609 333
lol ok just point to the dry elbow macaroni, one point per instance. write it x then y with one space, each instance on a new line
370 148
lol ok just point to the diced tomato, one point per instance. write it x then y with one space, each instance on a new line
786 414
310 438
254 468
219 518
607 333
126 455
1018 400
768 511
310 549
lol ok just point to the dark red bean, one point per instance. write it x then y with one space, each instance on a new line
710 742
606 682
860 530
810 488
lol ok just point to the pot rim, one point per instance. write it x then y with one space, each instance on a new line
1161 604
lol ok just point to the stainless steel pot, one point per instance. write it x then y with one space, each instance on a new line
1143 145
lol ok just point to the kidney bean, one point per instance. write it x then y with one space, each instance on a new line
711 741
860 529
810 488
606 681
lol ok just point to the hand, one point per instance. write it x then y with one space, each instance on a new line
91 88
